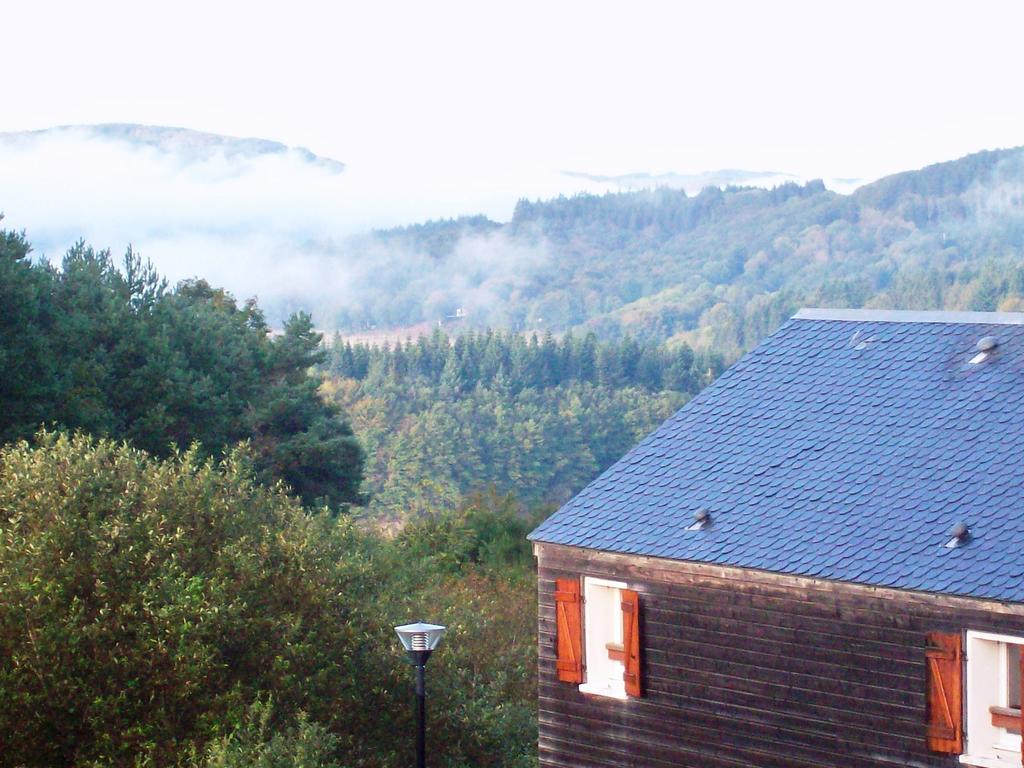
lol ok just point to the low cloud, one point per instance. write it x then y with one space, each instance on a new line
286 226
257 218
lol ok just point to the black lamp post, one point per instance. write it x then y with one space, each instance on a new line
419 641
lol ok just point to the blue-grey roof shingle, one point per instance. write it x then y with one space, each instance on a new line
846 446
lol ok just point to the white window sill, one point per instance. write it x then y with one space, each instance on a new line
604 690
1011 757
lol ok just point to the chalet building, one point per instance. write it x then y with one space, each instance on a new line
818 562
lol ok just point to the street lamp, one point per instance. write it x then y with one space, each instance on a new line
419 641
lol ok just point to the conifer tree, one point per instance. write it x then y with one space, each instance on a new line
29 383
298 437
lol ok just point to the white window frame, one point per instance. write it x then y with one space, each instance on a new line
602 624
987 745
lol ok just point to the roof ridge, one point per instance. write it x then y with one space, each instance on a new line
910 316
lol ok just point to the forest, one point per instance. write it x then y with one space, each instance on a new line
497 412
209 526
718 270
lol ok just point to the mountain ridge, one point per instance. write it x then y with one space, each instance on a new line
658 263
192 145
666 265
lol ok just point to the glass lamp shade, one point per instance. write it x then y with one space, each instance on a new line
420 636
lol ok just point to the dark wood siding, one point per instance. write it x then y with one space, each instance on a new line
745 668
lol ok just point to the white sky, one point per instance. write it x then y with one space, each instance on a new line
432 96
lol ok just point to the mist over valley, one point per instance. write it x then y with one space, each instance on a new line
297 230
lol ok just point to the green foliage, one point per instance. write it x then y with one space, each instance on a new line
514 361
488 530
28 385
298 436
113 352
144 601
255 745
439 238
457 569
499 527
538 418
152 610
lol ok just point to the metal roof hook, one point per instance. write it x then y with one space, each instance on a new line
701 520
960 535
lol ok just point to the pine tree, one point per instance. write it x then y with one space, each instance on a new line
29 383
549 370
452 382
587 361
298 437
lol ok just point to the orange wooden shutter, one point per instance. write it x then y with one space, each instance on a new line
631 640
568 629
945 688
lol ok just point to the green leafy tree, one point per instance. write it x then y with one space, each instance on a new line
176 612
256 743
145 603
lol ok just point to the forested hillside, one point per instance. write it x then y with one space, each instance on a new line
719 269
537 415
440 418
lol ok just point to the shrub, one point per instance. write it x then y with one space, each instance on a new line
255 745
150 610
147 603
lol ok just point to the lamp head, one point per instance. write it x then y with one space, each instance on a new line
420 639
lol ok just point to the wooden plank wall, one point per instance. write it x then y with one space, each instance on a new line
745 668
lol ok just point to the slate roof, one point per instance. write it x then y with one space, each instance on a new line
846 446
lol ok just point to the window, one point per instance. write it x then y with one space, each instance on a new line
602 633
598 636
993 703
